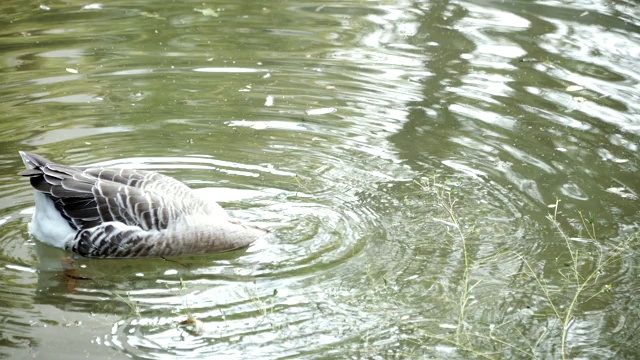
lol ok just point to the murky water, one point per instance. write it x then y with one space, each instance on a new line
348 128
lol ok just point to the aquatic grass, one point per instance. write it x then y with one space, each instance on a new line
447 202
580 284
265 305
133 305
180 292
576 281
191 325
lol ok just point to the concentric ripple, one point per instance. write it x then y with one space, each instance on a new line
405 157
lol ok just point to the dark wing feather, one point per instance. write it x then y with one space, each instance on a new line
87 196
48 178
81 208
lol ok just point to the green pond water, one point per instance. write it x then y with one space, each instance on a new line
443 179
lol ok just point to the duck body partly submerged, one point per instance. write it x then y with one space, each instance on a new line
124 213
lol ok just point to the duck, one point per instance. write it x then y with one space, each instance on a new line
111 212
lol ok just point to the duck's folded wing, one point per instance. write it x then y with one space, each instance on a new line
88 203
134 206
135 178
88 196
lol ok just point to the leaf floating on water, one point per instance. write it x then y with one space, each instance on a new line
575 88
584 14
320 111
207 12
71 70
579 99
193 326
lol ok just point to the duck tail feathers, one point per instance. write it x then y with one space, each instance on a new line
33 163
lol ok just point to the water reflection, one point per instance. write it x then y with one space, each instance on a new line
344 128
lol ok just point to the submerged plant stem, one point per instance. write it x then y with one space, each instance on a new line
447 203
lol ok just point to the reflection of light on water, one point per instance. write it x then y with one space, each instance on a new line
271 124
20 268
53 80
361 257
229 70
58 135
150 163
226 195
71 99
132 72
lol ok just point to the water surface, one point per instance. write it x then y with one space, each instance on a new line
349 129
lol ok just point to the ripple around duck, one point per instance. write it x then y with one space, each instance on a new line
316 231
362 261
